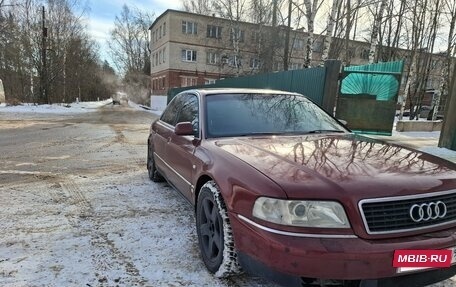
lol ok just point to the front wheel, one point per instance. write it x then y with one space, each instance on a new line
154 175
215 237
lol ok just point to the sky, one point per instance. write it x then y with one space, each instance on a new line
101 15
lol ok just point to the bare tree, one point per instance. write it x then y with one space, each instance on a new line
129 40
417 47
392 31
69 55
445 78
202 7
311 9
329 30
375 31
235 11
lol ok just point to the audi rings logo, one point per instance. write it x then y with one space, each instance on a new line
428 211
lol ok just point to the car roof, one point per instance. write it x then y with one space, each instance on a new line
212 91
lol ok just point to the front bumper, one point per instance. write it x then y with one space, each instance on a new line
349 258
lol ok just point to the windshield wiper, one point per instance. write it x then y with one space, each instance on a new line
324 131
260 134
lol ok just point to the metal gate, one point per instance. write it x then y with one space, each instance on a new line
368 96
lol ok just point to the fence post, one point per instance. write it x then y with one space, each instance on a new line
331 85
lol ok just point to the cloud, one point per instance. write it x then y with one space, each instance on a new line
100 28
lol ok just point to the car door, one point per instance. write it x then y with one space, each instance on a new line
162 131
180 149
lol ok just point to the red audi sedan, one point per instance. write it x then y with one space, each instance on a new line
283 190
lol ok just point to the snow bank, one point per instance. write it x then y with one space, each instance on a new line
80 107
144 108
440 152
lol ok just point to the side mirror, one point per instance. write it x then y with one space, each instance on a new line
184 129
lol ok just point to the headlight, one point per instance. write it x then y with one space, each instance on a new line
304 213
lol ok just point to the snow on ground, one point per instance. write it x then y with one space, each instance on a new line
77 208
430 137
441 152
73 108
423 141
80 107
144 108
435 134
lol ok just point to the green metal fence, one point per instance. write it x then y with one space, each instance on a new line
309 82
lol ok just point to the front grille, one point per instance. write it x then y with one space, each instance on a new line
391 215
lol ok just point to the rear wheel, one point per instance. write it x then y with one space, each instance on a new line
215 237
154 175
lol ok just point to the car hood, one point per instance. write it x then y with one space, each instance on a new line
333 166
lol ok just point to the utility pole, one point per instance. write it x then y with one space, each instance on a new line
44 97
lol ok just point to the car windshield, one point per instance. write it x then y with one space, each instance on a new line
265 114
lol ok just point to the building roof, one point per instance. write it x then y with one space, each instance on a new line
197 15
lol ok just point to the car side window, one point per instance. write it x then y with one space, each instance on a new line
171 111
189 112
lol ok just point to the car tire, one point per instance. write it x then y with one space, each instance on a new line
154 175
215 236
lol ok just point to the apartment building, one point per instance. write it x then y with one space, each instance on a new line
190 49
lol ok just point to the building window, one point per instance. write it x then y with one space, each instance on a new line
153 36
209 81
164 29
160 57
298 44
189 27
365 54
235 61
188 55
214 31
164 55
256 37
318 46
254 63
160 33
188 81
212 58
296 66
430 84
237 35
277 66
